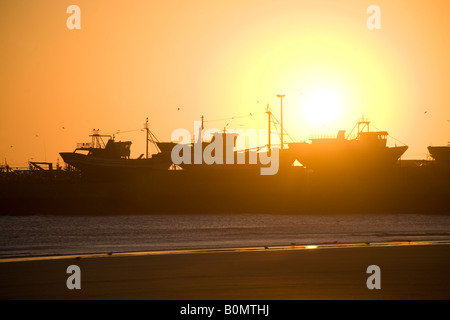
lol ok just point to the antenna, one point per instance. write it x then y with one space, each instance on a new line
146 140
269 145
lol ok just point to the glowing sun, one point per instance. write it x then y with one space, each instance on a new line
321 107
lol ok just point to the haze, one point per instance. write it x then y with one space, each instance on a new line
174 61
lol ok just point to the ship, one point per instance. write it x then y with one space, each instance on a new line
104 157
367 150
241 159
441 154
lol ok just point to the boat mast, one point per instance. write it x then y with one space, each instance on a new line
269 145
203 127
147 136
97 141
364 122
150 137
281 96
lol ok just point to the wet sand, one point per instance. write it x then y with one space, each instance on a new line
407 272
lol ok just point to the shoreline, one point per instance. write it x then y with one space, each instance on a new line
408 272
228 250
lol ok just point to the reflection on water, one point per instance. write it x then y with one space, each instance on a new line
55 235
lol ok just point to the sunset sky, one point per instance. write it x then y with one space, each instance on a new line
174 61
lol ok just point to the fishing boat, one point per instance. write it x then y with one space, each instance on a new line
367 150
104 157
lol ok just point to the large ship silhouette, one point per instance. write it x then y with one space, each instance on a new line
367 150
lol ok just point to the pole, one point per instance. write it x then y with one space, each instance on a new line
146 142
281 96
269 146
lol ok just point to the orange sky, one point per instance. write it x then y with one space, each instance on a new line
136 59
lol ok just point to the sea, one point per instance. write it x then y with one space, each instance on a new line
46 235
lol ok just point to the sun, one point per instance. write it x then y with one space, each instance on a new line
321 107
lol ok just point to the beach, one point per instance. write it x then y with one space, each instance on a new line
407 271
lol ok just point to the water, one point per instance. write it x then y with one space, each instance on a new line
24 236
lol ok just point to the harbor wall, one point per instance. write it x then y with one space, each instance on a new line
294 191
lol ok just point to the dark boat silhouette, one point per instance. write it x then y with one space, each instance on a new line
367 150
243 160
112 159
441 154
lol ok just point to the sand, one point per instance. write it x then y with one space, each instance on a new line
406 272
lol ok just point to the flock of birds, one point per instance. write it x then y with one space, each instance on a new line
178 109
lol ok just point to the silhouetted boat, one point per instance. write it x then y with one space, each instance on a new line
112 159
248 160
367 150
241 160
440 153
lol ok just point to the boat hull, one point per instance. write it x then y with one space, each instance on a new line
440 154
345 155
110 168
